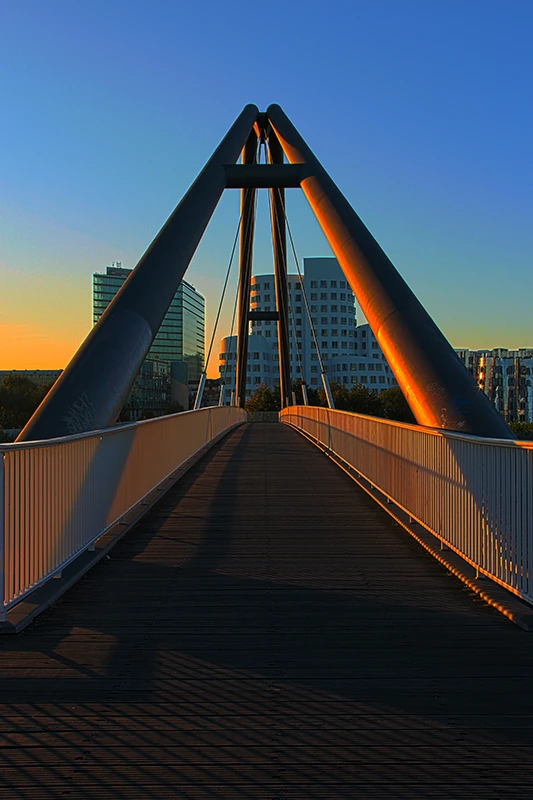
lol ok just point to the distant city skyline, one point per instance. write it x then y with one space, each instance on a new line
418 112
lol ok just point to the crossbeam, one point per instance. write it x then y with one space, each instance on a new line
263 315
265 176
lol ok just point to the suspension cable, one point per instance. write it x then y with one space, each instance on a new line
222 388
313 332
325 381
201 385
291 312
228 354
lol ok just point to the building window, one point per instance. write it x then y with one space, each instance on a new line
343 309
363 379
333 295
314 357
354 378
257 380
373 379
313 284
343 284
382 379
314 296
314 309
314 368
334 332
268 334
324 345
324 332
344 333
343 296
333 284
334 320
266 286
334 344
298 298
334 308
298 310
324 320
314 381
257 286
345 367
323 284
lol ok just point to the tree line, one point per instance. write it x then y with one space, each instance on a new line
390 403
20 397
358 399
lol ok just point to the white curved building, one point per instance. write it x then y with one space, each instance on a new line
350 354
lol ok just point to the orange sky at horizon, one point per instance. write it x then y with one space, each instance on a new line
26 346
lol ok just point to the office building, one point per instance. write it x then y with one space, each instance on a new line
181 338
506 378
41 377
350 353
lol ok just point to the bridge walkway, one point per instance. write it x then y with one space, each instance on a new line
266 631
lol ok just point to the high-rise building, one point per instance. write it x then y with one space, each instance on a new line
506 378
181 337
350 353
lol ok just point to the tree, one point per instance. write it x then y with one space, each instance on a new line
395 406
523 430
19 398
265 398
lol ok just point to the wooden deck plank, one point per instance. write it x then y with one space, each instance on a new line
266 631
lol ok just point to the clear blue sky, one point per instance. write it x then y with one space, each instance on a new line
421 110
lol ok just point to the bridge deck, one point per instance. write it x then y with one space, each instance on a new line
267 632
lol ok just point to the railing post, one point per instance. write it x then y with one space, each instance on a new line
2 549
327 390
200 392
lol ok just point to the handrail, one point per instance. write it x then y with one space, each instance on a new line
60 495
474 494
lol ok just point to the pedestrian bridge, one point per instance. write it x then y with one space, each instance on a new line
262 627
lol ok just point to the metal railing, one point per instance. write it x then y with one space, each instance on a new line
474 494
58 496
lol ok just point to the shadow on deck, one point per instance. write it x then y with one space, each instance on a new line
266 631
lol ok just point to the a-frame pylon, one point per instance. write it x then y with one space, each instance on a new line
94 386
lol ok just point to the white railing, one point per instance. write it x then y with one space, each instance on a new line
474 494
59 496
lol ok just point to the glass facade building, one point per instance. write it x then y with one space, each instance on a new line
181 337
